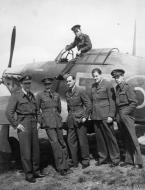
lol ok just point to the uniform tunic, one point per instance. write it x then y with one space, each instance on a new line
79 106
126 103
104 107
25 108
50 105
82 42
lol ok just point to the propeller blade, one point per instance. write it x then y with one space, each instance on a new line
12 46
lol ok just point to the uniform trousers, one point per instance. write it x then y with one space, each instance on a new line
77 140
29 145
129 138
69 66
59 148
106 142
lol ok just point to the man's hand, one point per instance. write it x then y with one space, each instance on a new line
38 126
84 120
78 52
21 127
109 120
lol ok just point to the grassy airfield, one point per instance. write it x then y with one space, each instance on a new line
92 178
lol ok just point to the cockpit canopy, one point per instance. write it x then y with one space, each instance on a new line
94 56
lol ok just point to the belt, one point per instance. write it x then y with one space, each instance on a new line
27 114
122 106
75 108
49 109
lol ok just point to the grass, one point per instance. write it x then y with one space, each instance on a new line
92 178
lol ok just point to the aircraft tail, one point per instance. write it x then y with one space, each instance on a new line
134 40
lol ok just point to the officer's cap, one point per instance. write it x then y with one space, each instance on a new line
26 79
76 27
117 72
47 80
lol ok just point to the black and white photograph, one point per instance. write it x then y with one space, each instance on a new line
72 95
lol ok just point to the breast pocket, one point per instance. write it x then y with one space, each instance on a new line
123 98
45 102
74 100
24 104
102 94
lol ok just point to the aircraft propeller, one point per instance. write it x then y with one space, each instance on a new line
13 37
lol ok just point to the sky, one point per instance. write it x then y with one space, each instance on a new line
43 27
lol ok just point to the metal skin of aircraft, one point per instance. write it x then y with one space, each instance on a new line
105 59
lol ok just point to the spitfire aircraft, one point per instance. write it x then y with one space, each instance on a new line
106 59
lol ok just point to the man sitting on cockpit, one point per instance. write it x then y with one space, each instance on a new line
83 44
81 41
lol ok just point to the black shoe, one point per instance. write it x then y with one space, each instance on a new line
31 180
100 163
114 164
124 164
138 166
71 165
85 165
68 171
75 166
63 172
38 175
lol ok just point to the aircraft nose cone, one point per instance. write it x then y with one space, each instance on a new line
4 97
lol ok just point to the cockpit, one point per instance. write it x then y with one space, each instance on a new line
94 56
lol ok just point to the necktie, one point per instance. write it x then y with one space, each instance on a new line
50 94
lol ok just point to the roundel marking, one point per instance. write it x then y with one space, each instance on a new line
138 82
143 92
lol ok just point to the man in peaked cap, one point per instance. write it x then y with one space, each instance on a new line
75 27
47 80
81 41
23 103
117 72
126 103
83 44
50 105
26 78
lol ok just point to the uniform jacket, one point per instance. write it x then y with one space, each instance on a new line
21 104
82 42
50 105
126 101
103 100
79 105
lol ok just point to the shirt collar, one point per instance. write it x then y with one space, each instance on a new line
98 83
47 90
122 85
24 91
73 88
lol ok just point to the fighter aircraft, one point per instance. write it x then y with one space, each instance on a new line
106 59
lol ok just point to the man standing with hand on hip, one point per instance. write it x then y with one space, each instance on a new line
23 104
